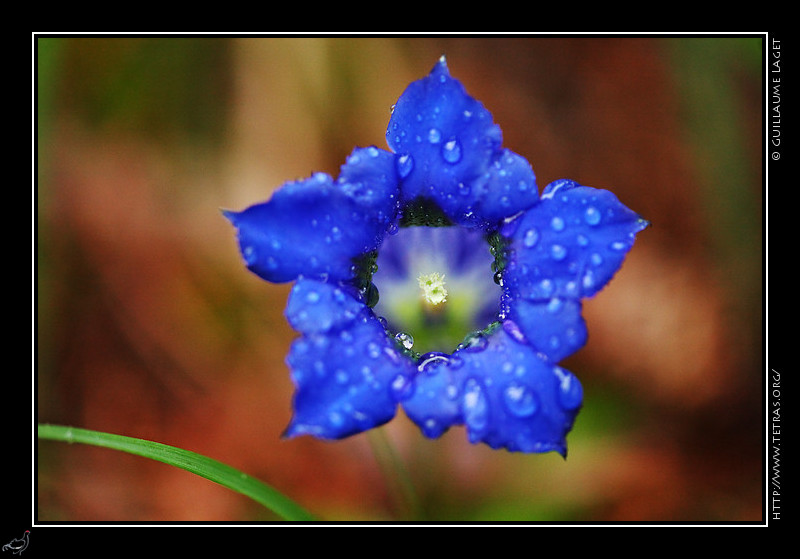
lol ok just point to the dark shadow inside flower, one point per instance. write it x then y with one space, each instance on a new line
457 295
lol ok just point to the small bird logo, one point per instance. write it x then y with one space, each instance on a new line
18 545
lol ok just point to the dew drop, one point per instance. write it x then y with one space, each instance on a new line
554 305
373 350
451 151
405 164
570 391
336 419
249 254
312 297
431 428
474 341
402 387
619 245
520 400
592 216
596 259
547 287
531 237
405 339
558 252
434 136
475 406
430 361
557 224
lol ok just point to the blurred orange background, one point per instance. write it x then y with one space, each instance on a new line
149 325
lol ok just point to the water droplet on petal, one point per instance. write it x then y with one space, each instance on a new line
592 216
451 151
547 287
373 350
596 259
558 252
474 341
406 340
531 237
336 419
249 254
434 136
312 296
557 224
402 387
430 428
570 391
520 400
429 362
475 406
405 164
554 305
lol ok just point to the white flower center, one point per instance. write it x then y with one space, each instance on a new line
433 289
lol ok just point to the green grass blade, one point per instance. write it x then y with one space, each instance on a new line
190 461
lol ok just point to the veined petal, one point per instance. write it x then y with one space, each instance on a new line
315 227
349 375
570 244
505 394
448 150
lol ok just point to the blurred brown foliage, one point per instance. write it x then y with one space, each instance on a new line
149 325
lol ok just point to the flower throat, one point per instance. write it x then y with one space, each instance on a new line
438 284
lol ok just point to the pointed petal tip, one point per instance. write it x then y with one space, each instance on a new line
230 215
441 66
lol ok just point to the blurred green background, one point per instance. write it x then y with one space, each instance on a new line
148 324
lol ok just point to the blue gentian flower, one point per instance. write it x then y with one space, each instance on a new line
433 276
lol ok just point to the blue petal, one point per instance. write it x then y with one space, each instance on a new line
505 394
315 227
510 187
435 402
449 151
349 375
554 328
570 244
317 307
369 177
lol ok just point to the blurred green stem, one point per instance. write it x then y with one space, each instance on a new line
190 461
395 472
